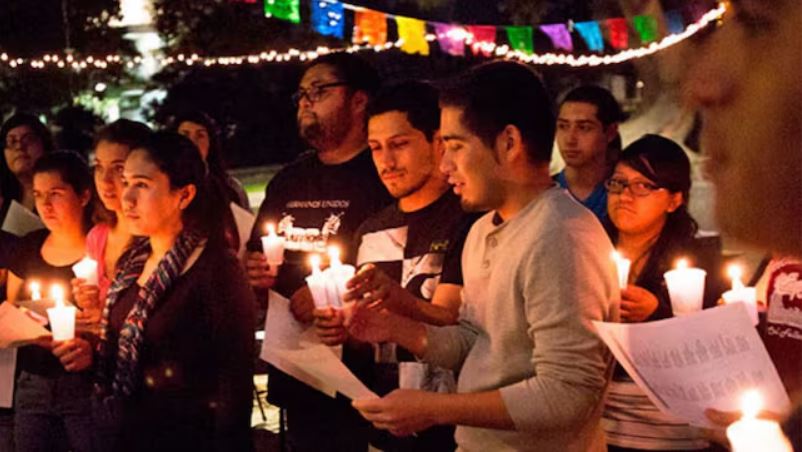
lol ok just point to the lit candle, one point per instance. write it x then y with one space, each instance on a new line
735 272
750 433
317 283
86 269
62 318
686 287
622 265
741 293
339 275
273 247
36 290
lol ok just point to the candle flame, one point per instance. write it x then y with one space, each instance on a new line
270 228
734 272
751 404
616 256
334 256
35 289
314 261
682 264
57 293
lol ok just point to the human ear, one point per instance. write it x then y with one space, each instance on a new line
186 196
674 202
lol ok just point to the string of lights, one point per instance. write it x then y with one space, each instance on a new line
75 63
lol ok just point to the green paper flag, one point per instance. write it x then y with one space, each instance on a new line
289 10
520 38
646 27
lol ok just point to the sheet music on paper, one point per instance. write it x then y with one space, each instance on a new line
296 350
245 220
16 328
690 363
8 366
21 221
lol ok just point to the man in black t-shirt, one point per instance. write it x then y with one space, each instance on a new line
408 253
317 201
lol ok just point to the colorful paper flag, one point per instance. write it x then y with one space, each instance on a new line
675 23
370 27
289 10
451 38
619 34
328 17
484 39
520 38
559 35
413 33
592 35
646 26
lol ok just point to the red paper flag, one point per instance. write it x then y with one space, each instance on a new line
619 33
484 39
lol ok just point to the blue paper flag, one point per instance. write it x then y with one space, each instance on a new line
328 17
592 34
675 23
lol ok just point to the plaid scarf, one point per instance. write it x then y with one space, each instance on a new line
126 376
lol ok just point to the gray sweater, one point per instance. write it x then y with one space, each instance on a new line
533 284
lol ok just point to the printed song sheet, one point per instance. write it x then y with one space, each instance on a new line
16 328
296 350
690 363
20 221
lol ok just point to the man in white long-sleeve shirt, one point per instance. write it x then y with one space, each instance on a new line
537 271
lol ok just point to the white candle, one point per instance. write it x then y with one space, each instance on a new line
622 265
751 434
686 287
62 318
339 274
735 272
317 283
86 269
36 290
273 247
747 296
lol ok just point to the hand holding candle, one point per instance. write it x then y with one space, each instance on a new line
752 434
328 286
686 287
62 318
273 247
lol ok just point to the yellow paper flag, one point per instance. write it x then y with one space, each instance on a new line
413 33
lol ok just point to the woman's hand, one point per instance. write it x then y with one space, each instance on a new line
75 354
637 304
87 297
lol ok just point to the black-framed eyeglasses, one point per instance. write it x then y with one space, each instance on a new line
315 93
617 186
13 142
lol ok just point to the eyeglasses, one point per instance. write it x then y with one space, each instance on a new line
12 142
637 188
315 93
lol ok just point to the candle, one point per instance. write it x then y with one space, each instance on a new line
62 318
273 247
735 272
86 269
686 287
339 275
751 434
36 290
622 265
741 293
317 283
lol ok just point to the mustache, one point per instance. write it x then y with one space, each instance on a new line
392 171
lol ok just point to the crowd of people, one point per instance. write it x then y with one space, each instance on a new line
477 269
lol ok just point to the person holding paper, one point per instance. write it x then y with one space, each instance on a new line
53 390
408 252
174 366
110 236
648 205
326 195
536 270
745 80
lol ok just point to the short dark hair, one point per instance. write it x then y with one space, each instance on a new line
607 108
74 171
125 132
496 94
419 100
10 187
351 69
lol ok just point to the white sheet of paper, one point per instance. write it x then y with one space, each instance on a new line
8 365
16 328
245 220
20 221
296 350
690 363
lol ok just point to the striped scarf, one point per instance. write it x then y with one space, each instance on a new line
129 343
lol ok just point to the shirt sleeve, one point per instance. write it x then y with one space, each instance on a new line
448 346
567 282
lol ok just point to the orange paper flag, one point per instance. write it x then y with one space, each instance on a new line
370 27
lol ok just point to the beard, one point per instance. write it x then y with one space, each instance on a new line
325 133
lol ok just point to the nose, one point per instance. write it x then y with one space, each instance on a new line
108 177
387 159
128 197
447 165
